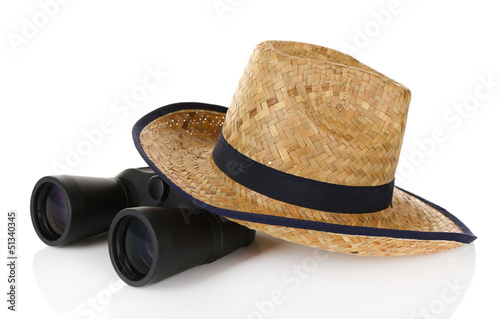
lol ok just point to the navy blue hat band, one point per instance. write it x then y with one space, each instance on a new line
298 190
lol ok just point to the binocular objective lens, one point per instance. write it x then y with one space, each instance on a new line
138 246
56 209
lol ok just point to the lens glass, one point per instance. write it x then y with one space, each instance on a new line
56 209
139 246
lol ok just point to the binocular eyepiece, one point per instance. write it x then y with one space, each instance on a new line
154 232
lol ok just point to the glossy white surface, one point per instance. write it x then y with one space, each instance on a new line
270 278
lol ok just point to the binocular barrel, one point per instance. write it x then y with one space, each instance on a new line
149 244
65 209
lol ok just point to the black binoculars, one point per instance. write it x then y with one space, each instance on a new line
154 232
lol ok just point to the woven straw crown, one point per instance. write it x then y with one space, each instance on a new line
340 123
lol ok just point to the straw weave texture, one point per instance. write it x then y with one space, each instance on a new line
312 112
337 122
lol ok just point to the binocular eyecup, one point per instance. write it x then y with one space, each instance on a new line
149 244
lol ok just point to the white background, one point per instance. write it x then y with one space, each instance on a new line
69 73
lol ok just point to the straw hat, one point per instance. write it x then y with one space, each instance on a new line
306 152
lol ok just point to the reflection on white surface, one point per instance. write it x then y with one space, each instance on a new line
269 279
76 279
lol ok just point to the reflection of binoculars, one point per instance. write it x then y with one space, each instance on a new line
154 231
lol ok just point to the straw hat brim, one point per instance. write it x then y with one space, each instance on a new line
177 142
